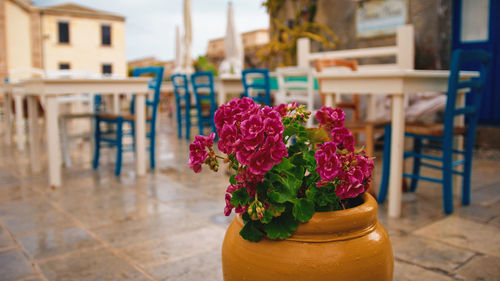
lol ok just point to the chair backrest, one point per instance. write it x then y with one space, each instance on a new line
295 84
154 84
403 51
203 86
181 88
257 85
459 60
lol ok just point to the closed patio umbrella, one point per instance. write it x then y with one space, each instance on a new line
188 62
233 61
178 51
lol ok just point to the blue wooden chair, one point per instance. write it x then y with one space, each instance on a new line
443 133
204 92
257 85
182 103
115 137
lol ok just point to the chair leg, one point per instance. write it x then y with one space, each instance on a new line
188 123
152 151
97 144
65 142
386 165
179 121
466 193
119 146
447 178
417 148
369 140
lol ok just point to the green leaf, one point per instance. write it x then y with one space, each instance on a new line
310 161
251 232
232 180
240 197
281 227
273 211
283 188
284 166
303 209
318 135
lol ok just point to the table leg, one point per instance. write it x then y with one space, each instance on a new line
19 121
329 99
372 108
222 94
140 134
397 149
116 103
34 134
8 115
53 142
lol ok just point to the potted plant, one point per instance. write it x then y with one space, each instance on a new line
299 195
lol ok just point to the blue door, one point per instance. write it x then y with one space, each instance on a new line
476 26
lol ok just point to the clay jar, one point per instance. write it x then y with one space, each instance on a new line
340 245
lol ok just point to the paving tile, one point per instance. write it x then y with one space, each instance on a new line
16 192
495 222
172 248
464 233
112 208
99 264
202 207
487 195
416 211
481 268
31 215
409 272
6 241
148 228
55 242
478 213
205 266
428 253
14 266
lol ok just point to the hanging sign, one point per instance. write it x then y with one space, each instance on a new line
376 18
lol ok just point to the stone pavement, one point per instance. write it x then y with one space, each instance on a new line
169 225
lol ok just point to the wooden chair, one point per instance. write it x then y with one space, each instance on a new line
257 85
115 138
204 92
296 84
443 134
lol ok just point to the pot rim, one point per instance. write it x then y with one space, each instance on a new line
337 225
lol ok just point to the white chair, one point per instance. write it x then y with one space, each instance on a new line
84 104
296 84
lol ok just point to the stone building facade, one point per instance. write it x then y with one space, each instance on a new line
65 36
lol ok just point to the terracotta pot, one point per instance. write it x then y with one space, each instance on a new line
341 245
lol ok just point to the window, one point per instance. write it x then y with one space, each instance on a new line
63 32
107 68
64 65
106 35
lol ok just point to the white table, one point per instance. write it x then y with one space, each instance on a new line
50 89
397 83
227 85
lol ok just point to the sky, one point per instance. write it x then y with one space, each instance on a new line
150 24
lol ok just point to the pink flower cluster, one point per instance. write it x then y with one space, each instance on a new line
254 135
336 160
199 150
332 120
352 172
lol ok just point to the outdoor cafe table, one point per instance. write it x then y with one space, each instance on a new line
50 89
397 83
